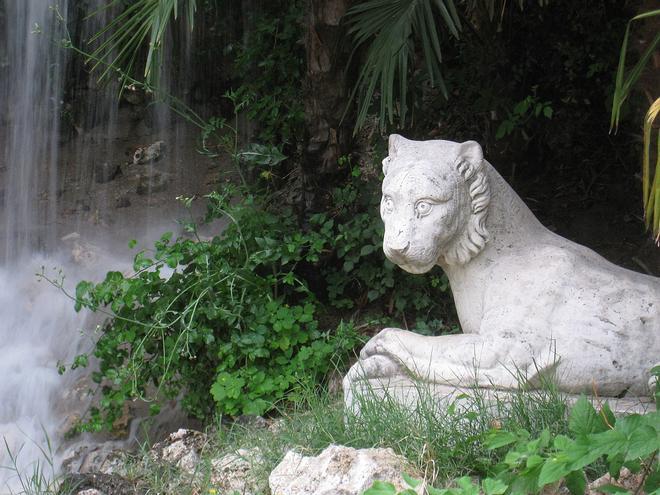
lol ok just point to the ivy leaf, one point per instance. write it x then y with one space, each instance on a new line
614 464
467 486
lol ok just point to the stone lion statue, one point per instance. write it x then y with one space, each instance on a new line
530 302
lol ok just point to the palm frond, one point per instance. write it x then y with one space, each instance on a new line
622 89
390 29
624 85
651 183
142 22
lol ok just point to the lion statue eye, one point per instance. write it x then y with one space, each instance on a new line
388 203
423 208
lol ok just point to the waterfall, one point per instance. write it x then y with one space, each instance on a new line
46 143
32 95
36 325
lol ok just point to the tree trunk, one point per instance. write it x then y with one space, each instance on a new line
326 94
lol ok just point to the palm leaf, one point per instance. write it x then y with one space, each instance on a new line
143 22
651 184
623 85
389 29
622 89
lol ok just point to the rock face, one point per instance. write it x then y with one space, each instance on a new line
149 154
337 471
106 171
99 484
531 303
181 449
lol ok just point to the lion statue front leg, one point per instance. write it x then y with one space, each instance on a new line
484 361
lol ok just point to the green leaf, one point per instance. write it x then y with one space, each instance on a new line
381 488
652 484
576 482
368 249
614 464
584 418
642 442
499 438
491 486
553 469
467 486
612 489
412 482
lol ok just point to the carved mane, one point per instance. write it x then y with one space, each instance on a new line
475 236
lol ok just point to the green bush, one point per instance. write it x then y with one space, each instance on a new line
224 322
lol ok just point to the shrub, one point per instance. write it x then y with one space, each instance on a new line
224 322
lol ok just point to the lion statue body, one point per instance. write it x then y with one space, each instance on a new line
531 304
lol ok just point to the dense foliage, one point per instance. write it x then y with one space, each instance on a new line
273 50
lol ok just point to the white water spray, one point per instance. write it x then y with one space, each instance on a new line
38 326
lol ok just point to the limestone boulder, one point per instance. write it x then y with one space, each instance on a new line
338 470
181 449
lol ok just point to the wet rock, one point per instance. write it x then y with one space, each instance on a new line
153 183
133 95
149 154
91 491
232 472
181 449
82 253
85 254
123 201
106 171
107 484
83 204
252 421
101 459
338 470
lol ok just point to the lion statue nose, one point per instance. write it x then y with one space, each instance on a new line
400 248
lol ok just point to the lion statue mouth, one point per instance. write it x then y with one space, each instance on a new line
415 269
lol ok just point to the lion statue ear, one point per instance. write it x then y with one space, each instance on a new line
471 151
395 143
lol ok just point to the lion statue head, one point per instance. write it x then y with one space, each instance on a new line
435 203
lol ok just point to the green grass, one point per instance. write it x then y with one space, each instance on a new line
441 443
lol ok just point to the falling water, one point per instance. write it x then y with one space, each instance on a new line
31 94
39 149
37 326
